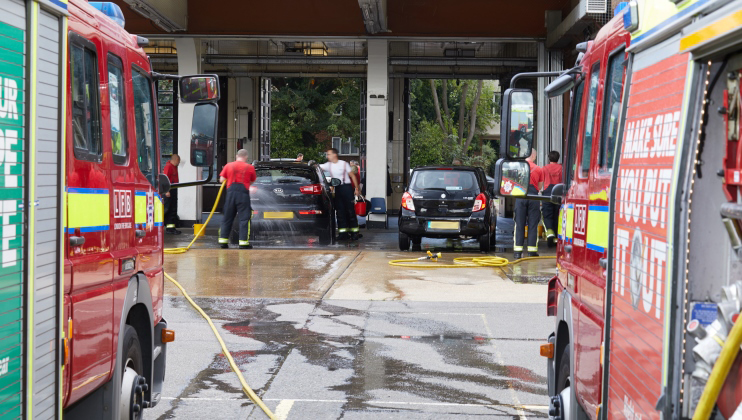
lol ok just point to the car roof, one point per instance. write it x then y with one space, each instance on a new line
282 164
444 167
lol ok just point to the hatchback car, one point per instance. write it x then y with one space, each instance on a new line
292 197
447 202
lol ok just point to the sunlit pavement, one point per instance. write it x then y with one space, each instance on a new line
335 332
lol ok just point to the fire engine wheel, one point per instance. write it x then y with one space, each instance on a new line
561 403
133 385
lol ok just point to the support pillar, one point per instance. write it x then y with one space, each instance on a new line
549 121
189 198
377 92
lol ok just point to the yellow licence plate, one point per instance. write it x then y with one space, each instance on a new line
443 225
278 215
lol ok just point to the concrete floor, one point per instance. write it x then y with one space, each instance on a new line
335 332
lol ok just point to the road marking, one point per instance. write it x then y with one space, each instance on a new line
501 361
283 408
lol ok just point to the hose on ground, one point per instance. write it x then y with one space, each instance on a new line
245 387
719 373
198 234
461 262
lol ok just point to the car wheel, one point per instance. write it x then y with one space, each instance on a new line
416 240
404 242
484 242
133 384
326 236
493 235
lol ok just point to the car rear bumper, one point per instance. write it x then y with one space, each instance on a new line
411 224
300 223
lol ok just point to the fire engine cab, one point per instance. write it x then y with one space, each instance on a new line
649 259
81 283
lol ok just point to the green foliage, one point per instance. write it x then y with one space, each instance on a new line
305 111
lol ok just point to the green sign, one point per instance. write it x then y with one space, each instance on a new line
12 141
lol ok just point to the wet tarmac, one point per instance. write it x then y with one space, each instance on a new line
336 333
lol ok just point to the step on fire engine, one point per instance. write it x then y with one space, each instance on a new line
649 257
82 332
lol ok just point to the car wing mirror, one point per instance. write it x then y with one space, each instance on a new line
335 182
512 178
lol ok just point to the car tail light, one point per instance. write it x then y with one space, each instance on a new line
551 297
311 189
308 212
407 202
480 203
253 189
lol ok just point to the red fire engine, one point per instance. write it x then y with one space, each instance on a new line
115 346
649 258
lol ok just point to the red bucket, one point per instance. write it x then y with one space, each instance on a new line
361 208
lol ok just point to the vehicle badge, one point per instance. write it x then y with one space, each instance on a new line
443 195
278 190
636 272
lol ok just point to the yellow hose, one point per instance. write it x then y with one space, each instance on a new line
213 209
719 373
464 262
245 387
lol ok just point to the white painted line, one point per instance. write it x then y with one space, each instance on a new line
283 408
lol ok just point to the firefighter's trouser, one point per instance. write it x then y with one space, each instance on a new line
345 209
170 205
527 212
238 203
550 212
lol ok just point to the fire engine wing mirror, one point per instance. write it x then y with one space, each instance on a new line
512 177
557 192
560 86
199 88
203 134
163 185
517 127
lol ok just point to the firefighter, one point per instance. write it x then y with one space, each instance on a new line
170 201
552 176
344 195
239 175
528 212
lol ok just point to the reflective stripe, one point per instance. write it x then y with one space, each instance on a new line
549 233
517 248
354 229
88 207
532 249
170 226
597 228
244 242
341 230
223 240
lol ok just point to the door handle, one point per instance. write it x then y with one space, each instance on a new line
568 248
141 233
77 240
603 262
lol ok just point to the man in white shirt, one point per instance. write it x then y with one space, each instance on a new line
344 195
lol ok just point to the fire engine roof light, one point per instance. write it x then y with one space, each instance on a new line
112 10
631 16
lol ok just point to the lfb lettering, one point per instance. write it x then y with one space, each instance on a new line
580 218
9 98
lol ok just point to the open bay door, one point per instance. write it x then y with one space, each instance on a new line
265 119
362 151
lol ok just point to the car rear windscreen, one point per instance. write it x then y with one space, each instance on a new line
285 176
447 180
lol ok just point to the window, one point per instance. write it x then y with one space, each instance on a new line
85 104
611 109
301 176
443 180
574 124
117 101
345 146
166 112
587 139
144 117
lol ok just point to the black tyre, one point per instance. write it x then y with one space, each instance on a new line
564 372
484 242
493 235
132 371
326 236
404 242
416 240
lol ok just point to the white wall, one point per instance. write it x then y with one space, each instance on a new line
189 198
241 102
376 118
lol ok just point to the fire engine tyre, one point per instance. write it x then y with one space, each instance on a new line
484 242
133 385
564 393
404 241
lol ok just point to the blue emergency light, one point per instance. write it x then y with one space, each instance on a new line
631 16
112 10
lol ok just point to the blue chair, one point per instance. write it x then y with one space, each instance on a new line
377 214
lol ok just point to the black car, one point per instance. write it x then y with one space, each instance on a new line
292 197
447 202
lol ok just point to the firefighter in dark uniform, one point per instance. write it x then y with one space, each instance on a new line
238 175
170 201
528 212
345 193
